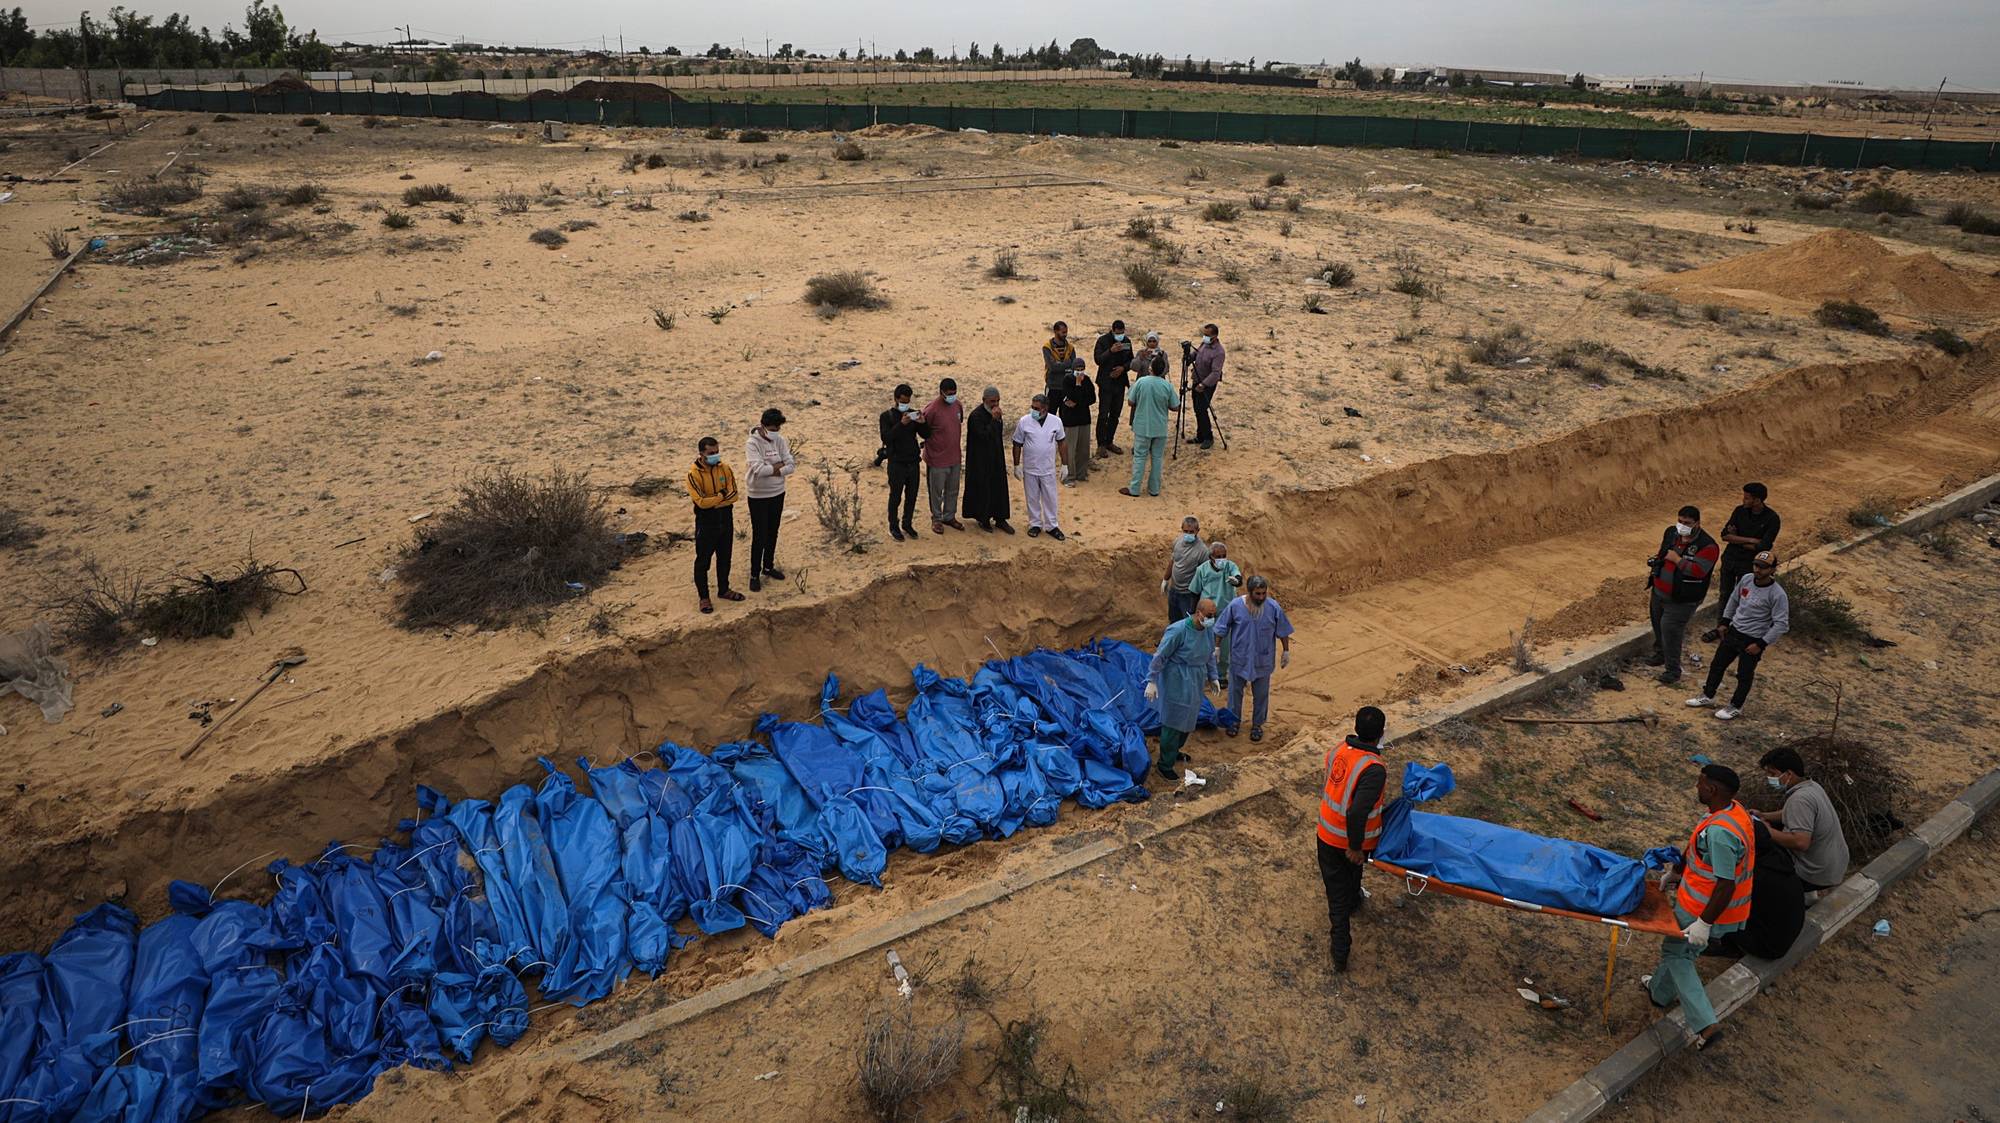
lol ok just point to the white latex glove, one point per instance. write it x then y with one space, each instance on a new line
1215 685
1284 659
1062 472
1017 471
1163 587
1152 692
1697 934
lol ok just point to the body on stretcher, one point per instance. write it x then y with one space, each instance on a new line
1655 912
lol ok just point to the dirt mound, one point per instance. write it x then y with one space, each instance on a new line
595 90
284 85
1840 265
898 130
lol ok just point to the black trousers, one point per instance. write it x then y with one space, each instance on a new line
1110 403
714 537
1343 896
1729 573
765 515
1203 431
1730 650
904 479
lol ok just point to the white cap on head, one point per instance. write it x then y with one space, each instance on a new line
1152 337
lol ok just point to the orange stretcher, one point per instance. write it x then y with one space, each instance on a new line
1655 912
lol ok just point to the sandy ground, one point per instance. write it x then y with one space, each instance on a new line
269 395
1192 969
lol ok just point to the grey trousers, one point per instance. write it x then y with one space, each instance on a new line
944 492
1670 625
1260 697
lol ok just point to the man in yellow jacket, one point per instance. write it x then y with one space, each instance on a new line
712 486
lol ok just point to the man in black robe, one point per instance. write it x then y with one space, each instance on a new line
986 499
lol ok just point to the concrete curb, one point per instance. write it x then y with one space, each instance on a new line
1734 988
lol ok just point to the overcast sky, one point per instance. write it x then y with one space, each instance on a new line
1905 42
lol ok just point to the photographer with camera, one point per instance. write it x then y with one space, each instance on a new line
1679 576
1059 359
1151 399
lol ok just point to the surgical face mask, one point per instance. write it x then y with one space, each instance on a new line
1119 338
1207 338
1215 563
1041 415
1684 530
1189 539
902 407
711 458
1200 621
1775 782
951 399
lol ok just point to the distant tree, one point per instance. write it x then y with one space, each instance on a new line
924 54
264 31
902 55
1479 81
1207 66
672 51
645 50
1388 75
1084 53
999 56
15 35
785 50
842 56
444 68
972 53
1457 80
1577 82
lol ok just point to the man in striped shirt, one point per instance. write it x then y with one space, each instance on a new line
1681 570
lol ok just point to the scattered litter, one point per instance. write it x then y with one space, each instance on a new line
771 1075
113 708
574 586
150 641
27 668
5 196
387 575
1390 188
1545 1001
1585 812
1930 664
1367 459
903 986
1350 411
1361 1101
847 364
420 516
434 356
1701 759
1882 927
1190 780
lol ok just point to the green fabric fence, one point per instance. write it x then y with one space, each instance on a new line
1707 146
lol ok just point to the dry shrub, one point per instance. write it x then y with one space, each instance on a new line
398 220
849 151
148 196
848 288
1005 265
715 132
1946 340
693 216
1147 282
429 193
1848 315
900 1060
840 514
241 198
1221 211
1027 1090
302 194
1883 200
511 202
16 531
1809 201
1339 275
753 136
1139 227
1259 201
1817 612
1275 179
1314 303
1522 649
1249 1100
1864 787
1499 348
98 609
549 237
57 242
512 544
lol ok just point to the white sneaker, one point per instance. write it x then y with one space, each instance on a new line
1701 702
1728 713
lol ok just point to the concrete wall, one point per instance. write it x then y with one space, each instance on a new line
152 81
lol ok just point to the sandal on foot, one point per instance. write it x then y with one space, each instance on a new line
706 606
731 595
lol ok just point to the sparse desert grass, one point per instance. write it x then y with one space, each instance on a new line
511 545
422 193
1945 339
848 288
550 237
1005 266
1500 347
1883 200
849 151
1850 316
1339 275
148 196
1147 282
1221 211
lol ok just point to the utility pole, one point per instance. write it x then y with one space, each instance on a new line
410 42
1934 104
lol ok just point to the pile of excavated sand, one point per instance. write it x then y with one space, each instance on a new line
907 130
1840 265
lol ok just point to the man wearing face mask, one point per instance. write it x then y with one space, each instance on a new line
1808 826
944 423
1350 823
1187 555
1255 625
767 463
712 486
1059 358
1153 398
1207 376
1680 575
1039 451
1073 410
1181 663
1113 354
1754 614
1716 878
986 498
902 432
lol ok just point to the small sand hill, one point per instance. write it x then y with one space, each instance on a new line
1840 265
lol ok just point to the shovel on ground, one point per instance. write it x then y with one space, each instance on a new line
285 663
1628 719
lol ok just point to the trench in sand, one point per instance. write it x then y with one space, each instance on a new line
1419 568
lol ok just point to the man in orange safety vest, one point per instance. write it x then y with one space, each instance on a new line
1715 877
1350 822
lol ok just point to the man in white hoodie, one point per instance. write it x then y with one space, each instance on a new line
767 461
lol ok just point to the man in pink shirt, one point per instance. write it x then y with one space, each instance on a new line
944 454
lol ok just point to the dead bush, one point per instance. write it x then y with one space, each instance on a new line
16 532
1147 282
1027 1089
1811 201
511 202
1522 649
1864 787
1817 611
1259 201
715 132
848 288
1339 275
147 196
511 545
429 193
57 243
1005 266
1499 348
398 220
549 237
1221 211
98 609
849 151
302 194
753 136
1883 200
1250 1100
1946 340
1850 316
241 198
841 514
900 1060
1139 227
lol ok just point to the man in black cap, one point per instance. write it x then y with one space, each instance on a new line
1114 373
1713 887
